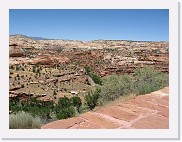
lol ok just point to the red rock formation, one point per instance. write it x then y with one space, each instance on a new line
43 61
16 51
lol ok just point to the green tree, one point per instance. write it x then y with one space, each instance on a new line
97 79
64 102
76 102
91 98
65 113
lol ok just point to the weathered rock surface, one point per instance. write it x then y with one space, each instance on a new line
16 51
22 41
150 111
104 56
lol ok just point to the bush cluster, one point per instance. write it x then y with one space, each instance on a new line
23 120
34 107
67 108
148 80
143 81
91 98
115 86
64 109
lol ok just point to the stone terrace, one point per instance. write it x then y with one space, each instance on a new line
150 111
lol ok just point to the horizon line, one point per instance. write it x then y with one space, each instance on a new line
45 38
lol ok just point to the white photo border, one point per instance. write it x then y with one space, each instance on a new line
171 133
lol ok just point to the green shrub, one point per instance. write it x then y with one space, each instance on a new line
144 80
148 80
97 79
64 113
64 108
23 120
18 67
91 98
115 86
64 102
34 107
76 102
87 70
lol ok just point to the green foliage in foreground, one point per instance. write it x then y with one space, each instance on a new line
23 120
115 86
64 113
67 108
91 98
64 102
33 107
76 102
64 109
143 81
148 80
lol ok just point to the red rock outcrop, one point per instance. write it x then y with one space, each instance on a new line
16 51
43 61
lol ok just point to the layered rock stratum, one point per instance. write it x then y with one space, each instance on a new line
105 56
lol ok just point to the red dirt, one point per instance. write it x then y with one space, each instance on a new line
150 111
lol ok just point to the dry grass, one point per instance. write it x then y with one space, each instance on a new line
23 120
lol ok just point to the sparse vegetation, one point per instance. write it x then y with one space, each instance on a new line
142 81
37 86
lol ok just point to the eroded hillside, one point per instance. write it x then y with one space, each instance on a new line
43 71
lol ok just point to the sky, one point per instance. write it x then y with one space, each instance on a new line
91 24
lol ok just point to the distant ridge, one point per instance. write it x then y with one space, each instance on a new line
42 38
34 38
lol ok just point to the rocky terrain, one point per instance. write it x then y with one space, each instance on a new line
40 67
150 111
